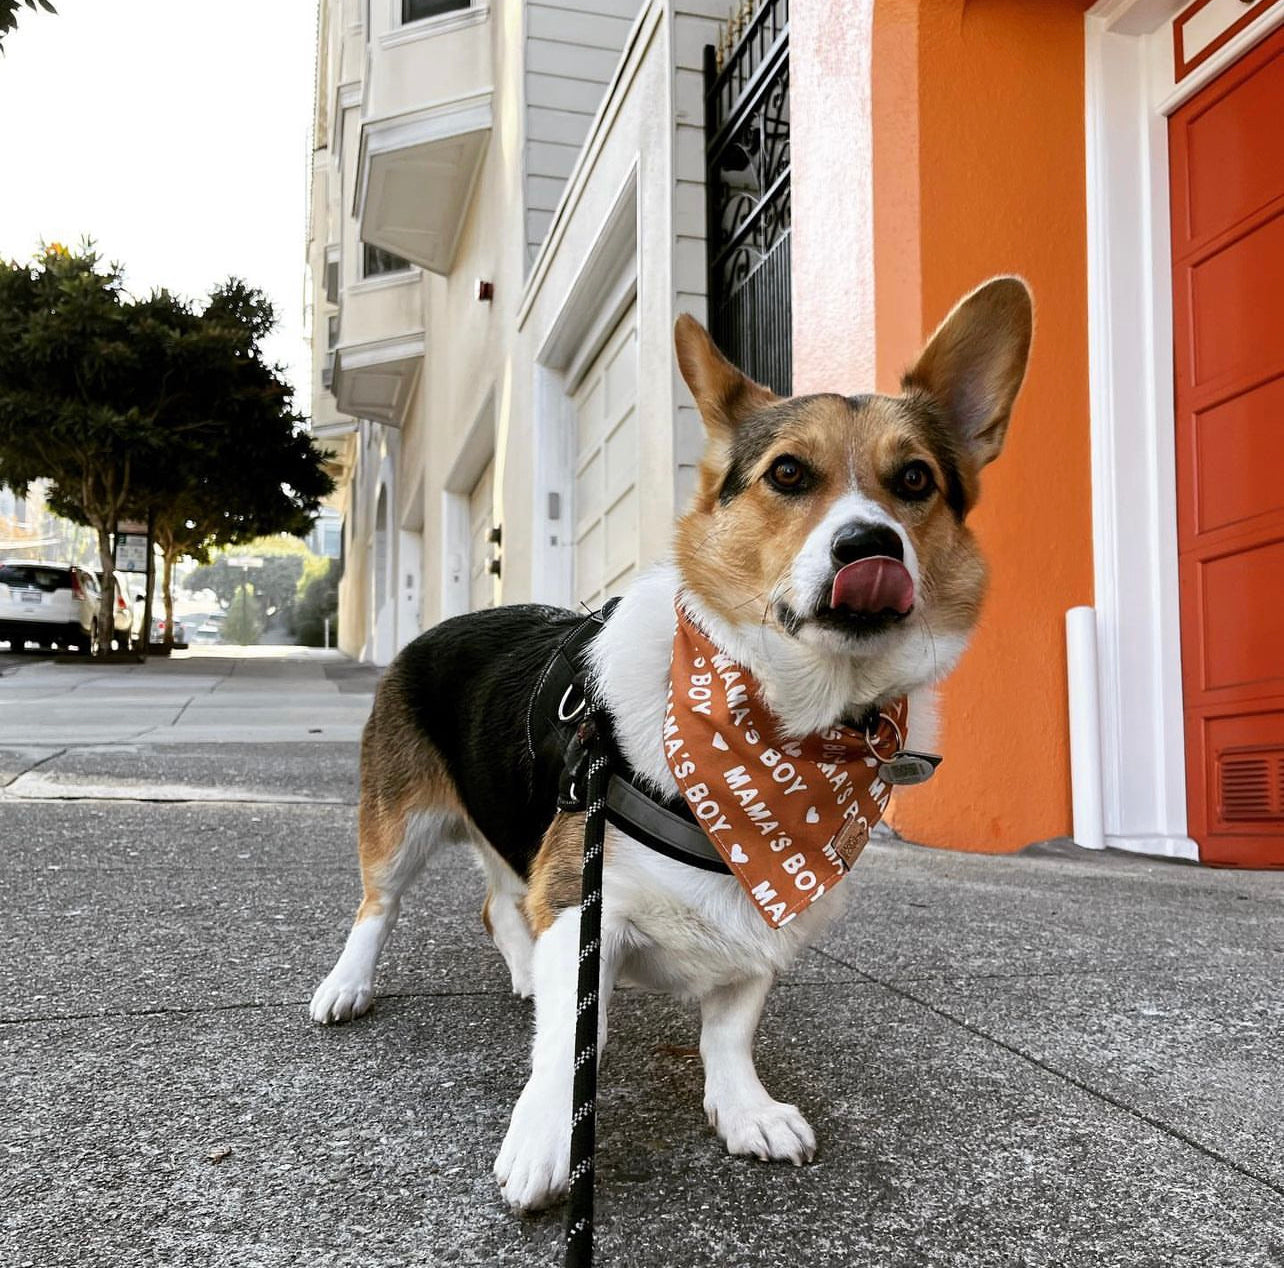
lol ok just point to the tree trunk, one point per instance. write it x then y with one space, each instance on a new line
107 596
167 594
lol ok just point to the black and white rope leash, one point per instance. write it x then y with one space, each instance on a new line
579 1210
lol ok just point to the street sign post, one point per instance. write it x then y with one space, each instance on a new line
131 552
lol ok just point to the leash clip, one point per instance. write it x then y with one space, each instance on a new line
573 785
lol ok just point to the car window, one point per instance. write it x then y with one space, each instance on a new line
37 575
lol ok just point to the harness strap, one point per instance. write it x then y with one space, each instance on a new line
561 701
654 824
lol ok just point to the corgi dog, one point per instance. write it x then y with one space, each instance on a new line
827 555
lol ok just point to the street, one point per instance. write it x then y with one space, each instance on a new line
1054 1058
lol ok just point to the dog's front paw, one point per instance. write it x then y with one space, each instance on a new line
769 1130
534 1161
341 997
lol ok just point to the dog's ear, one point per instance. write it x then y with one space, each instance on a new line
722 394
974 364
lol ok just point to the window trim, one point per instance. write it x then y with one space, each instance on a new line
400 32
381 274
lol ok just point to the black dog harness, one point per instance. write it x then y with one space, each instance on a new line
561 704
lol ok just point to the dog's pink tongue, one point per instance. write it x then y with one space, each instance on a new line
873 585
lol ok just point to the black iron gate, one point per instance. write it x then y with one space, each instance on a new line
746 121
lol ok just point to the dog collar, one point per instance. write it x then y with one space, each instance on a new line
789 816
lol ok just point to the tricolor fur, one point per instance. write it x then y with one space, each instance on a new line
789 490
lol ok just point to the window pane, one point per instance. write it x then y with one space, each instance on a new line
375 260
413 10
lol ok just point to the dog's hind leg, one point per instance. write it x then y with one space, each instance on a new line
504 916
408 807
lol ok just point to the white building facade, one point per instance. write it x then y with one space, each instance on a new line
507 214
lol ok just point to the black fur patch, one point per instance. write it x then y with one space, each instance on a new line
468 682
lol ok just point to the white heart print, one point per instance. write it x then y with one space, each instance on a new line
738 855
813 815
719 742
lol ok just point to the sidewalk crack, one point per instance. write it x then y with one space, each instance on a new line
34 766
1167 1129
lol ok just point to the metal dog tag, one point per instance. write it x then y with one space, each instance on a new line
908 767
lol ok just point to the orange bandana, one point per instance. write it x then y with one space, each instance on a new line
790 817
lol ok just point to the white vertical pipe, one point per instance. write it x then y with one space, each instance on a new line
1085 728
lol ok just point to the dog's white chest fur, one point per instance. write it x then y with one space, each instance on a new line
691 930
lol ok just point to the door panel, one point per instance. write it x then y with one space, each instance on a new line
607 531
481 509
1226 149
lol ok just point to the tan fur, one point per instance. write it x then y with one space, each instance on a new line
722 394
975 363
737 556
556 873
401 773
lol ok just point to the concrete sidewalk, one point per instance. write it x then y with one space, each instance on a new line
206 694
1052 1059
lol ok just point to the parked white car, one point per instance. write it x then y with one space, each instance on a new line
48 604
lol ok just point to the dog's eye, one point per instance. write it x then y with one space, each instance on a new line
788 474
914 482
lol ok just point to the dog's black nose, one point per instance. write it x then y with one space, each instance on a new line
862 541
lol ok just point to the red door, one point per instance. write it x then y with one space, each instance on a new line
1226 149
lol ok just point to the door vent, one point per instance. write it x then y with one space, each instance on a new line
1251 785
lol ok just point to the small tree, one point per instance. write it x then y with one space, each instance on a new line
233 462
243 625
285 560
78 400
318 600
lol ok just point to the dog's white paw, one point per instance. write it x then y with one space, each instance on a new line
534 1161
523 981
770 1130
341 997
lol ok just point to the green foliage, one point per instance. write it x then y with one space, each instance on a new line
243 625
285 560
79 392
236 463
9 15
318 598
150 408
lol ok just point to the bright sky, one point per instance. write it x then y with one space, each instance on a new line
173 132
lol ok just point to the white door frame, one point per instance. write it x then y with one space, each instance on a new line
1129 94
475 450
383 616
600 294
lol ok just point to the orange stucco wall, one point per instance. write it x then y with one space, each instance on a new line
977 127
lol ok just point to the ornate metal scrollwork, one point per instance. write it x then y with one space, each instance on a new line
747 174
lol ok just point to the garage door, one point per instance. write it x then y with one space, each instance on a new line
1227 169
481 511
606 495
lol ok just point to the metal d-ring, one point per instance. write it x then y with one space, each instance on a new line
871 740
562 715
